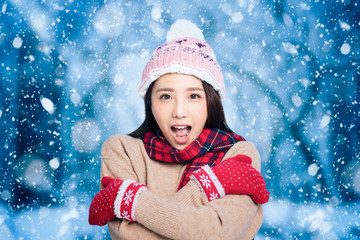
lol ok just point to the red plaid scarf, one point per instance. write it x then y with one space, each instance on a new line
209 148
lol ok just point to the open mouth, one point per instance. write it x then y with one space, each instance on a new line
181 132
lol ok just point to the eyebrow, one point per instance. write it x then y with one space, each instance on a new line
190 89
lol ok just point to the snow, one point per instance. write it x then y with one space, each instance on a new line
40 24
344 25
54 163
345 49
5 195
70 71
296 100
237 17
47 104
85 135
109 21
75 98
313 169
17 43
309 220
356 181
118 79
325 120
156 13
290 48
3 8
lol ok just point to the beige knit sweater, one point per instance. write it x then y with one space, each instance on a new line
165 213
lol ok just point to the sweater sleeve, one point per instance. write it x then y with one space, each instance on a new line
186 214
116 162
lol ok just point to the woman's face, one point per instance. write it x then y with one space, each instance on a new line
178 103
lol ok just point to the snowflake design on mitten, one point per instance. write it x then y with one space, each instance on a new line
125 215
213 196
206 182
128 197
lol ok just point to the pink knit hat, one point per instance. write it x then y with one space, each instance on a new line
184 54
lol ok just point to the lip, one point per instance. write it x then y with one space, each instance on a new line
181 139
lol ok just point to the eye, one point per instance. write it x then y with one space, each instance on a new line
194 96
165 96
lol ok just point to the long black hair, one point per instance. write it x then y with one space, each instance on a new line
216 115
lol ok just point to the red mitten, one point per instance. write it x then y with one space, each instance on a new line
232 176
117 199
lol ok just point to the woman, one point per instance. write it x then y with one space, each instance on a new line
183 174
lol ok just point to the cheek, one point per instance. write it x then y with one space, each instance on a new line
158 112
204 116
205 113
201 113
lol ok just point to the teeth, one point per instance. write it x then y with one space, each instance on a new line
180 127
181 131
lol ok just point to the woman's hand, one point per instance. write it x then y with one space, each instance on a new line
117 199
232 176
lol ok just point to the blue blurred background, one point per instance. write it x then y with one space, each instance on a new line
69 77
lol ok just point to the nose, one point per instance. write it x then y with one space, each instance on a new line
180 109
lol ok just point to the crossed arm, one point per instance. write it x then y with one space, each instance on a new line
184 214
